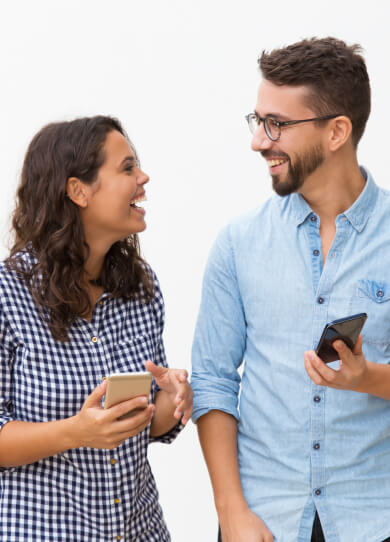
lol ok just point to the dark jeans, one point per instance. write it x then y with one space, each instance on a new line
316 536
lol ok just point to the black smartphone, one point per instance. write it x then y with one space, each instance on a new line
346 329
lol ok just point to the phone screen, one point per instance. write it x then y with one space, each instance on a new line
346 329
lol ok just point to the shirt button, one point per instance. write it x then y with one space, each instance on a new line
100 303
316 398
94 339
118 537
117 501
317 492
316 252
313 218
316 446
112 461
379 293
320 301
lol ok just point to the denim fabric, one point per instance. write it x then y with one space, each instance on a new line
266 299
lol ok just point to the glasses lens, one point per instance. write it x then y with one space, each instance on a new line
252 122
272 129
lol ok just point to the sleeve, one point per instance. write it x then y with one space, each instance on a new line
220 334
6 363
160 358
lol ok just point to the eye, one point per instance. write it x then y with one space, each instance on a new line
129 168
273 122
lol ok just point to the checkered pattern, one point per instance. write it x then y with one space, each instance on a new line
85 493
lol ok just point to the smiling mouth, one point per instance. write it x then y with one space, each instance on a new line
136 200
274 163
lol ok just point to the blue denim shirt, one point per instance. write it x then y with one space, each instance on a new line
266 299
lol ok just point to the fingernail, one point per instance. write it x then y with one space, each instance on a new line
144 400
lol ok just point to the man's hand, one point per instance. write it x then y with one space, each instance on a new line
351 373
243 525
175 384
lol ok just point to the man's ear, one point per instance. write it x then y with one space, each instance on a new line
77 191
341 130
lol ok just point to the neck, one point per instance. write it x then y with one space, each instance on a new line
94 264
334 187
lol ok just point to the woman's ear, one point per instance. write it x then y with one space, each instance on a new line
341 130
77 191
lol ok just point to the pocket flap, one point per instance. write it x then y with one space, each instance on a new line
376 291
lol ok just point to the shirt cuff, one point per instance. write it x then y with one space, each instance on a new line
170 436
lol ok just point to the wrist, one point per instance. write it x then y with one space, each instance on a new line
226 506
70 434
368 379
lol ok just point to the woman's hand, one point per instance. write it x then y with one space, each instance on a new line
98 428
351 373
176 386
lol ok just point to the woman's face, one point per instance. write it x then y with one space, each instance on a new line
111 213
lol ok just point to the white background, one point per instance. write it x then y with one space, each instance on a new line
180 75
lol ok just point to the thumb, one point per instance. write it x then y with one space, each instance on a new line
156 370
96 396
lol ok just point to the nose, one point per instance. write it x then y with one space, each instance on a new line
142 178
260 140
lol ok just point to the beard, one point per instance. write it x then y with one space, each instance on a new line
304 165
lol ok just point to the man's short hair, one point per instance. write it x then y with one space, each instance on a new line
335 74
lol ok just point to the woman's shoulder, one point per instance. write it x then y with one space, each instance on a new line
12 270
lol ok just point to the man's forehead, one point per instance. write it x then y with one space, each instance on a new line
284 100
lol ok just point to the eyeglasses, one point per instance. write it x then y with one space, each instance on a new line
273 127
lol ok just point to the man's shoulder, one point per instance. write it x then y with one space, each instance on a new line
258 218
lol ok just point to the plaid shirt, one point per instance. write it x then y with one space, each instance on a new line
81 494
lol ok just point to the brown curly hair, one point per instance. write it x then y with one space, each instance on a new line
48 227
334 72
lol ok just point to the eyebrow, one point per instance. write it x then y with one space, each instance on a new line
278 116
127 160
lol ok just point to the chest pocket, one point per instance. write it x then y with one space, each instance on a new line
373 297
130 355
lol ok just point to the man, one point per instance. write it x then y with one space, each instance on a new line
307 455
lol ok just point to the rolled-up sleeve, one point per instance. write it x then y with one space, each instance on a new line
160 358
6 361
220 334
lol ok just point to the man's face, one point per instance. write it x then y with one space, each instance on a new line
299 151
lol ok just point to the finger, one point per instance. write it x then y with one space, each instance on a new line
313 374
133 424
182 375
157 370
134 431
344 352
183 391
357 349
94 398
187 415
120 409
323 374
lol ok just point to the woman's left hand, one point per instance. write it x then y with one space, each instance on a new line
351 372
175 384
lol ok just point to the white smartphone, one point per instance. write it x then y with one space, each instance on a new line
124 386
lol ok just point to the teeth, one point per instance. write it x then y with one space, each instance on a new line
275 162
138 200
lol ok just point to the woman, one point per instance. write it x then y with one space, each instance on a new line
77 303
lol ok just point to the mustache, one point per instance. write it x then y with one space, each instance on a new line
273 154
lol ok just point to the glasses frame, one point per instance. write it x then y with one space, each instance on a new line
280 123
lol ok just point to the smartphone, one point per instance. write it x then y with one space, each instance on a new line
346 329
124 386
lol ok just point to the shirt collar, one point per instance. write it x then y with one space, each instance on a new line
357 214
